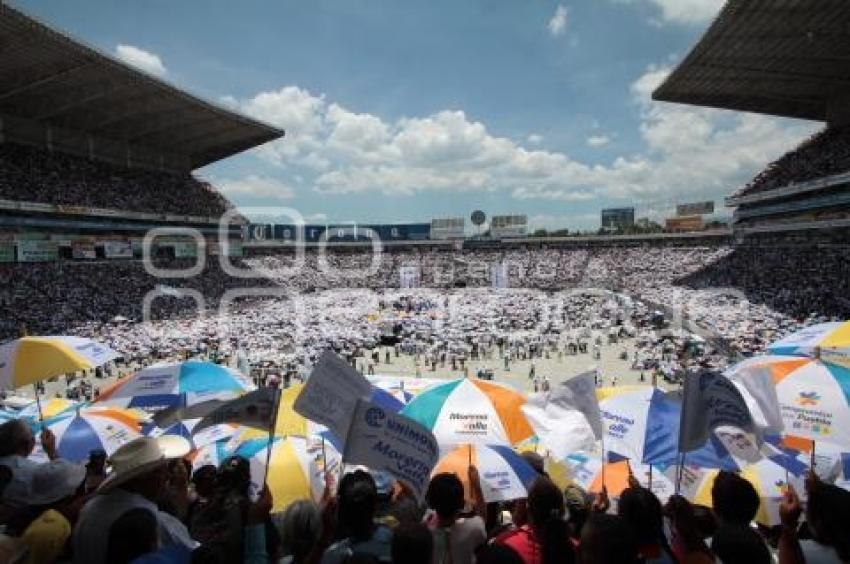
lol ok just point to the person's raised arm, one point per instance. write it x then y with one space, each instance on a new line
790 509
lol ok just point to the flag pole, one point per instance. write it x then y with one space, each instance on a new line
602 456
649 485
680 472
812 460
272 424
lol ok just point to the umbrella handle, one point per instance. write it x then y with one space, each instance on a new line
38 403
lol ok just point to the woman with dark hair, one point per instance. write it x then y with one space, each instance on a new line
544 540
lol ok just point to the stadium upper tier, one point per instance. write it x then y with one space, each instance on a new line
33 175
825 154
780 57
60 93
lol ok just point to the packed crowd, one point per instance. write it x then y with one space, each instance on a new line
151 509
826 153
28 174
747 296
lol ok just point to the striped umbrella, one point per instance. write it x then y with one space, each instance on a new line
504 474
295 471
829 342
213 453
467 411
79 433
814 396
49 409
172 384
29 360
590 473
184 429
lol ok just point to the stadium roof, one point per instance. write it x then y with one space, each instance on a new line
781 57
48 77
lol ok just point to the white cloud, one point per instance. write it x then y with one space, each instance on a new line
141 59
255 187
598 140
689 152
688 12
534 139
558 24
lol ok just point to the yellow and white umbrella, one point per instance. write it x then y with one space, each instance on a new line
29 360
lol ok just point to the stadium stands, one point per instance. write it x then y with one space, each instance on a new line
29 174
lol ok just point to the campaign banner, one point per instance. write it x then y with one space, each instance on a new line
34 250
83 249
330 395
390 442
695 208
117 249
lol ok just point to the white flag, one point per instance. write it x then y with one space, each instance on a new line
710 401
567 419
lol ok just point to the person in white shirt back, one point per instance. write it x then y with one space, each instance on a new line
16 444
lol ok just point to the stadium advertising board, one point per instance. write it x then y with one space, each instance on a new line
117 249
617 218
185 249
341 232
447 228
697 208
7 251
285 232
37 250
83 249
258 232
505 226
689 223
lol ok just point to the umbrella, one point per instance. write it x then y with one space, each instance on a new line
505 475
212 453
590 473
296 468
769 479
29 360
829 342
180 383
469 411
814 396
50 408
79 433
184 429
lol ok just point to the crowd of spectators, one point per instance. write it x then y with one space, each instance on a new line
28 174
826 153
152 509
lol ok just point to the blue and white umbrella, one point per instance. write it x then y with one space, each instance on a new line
80 433
183 383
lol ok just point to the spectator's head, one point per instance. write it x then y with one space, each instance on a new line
204 480
497 554
445 495
607 539
733 543
141 466
59 485
16 438
358 499
641 510
234 476
734 499
413 544
828 514
546 514
535 461
575 500
132 535
300 529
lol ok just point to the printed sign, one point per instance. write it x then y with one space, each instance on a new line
392 443
331 393
117 250
30 250
7 251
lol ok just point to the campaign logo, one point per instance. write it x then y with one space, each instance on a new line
375 416
807 399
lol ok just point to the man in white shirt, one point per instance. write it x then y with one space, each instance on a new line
139 474
16 444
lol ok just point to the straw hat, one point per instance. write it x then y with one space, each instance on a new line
140 456
54 481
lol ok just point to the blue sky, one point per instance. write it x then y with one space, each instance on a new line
403 111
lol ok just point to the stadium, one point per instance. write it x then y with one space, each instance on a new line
108 234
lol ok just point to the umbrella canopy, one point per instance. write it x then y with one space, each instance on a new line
79 433
469 411
768 478
814 396
32 359
590 473
828 341
296 469
212 453
180 383
184 429
504 474
49 408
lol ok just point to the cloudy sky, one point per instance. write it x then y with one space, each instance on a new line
399 110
